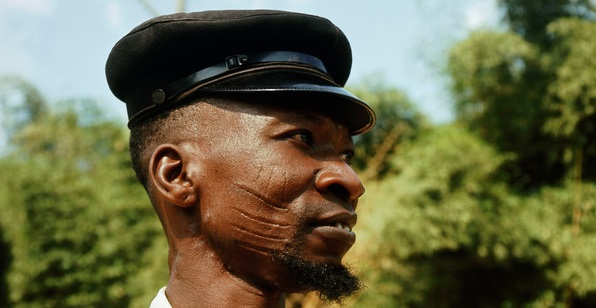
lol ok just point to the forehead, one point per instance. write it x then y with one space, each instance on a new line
277 109
275 121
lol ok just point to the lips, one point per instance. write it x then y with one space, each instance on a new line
332 236
335 236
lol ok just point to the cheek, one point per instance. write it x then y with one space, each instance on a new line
252 203
277 177
259 223
249 213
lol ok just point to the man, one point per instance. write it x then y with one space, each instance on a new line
241 135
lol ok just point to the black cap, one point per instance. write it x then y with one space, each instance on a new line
235 51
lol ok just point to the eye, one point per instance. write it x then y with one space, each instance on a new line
347 157
305 137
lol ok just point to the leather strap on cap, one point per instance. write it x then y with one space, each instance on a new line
232 63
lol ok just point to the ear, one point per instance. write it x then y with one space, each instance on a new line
168 167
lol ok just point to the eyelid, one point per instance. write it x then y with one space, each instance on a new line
308 136
347 157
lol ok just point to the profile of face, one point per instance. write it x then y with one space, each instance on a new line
278 196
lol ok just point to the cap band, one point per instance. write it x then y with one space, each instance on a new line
233 63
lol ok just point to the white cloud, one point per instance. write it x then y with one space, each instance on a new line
114 15
480 14
39 7
14 57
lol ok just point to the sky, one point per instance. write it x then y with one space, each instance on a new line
61 46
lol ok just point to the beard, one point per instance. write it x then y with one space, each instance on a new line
332 282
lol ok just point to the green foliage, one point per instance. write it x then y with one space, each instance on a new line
78 223
497 210
5 260
572 94
428 207
492 97
499 88
515 93
530 18
397 121
571 97
20 104
446 232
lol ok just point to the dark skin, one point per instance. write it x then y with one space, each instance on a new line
258 179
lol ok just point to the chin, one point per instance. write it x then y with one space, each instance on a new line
331 280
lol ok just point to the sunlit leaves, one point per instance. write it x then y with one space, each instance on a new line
445 230
572 95
398 120
78 223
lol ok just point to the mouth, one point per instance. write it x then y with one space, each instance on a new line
343 220
343 226
338 234
332 236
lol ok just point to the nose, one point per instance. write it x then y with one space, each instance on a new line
339 179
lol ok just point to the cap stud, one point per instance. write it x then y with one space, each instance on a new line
158 96
235 61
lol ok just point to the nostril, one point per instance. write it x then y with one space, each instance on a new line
339 191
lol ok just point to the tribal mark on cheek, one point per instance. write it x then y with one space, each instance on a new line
274 182
264 226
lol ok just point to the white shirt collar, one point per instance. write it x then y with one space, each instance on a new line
160 301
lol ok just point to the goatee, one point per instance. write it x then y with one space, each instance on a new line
332 282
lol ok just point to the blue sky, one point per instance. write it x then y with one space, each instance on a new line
61 45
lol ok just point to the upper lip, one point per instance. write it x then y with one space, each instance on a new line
345 218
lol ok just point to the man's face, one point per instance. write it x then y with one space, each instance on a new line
277 184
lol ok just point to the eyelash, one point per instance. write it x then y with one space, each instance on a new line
307 138
347 157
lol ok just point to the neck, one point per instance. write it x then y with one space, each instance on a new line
199 279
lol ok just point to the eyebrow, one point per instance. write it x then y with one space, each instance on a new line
310 117
313 118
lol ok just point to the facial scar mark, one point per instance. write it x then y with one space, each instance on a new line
259 234
259 219
258 249
260 197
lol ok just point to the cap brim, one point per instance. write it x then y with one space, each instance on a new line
358 117
300 89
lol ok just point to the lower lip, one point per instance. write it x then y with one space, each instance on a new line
332 242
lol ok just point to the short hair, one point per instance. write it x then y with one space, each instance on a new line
170 126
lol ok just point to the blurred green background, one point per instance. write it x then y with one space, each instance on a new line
495 208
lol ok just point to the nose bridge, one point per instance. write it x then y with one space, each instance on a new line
338 177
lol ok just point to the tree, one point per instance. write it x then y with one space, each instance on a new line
445 231
517 89
20 104
530 19
570 99
79 227
498 209
5 260
427 207
499 89
397 121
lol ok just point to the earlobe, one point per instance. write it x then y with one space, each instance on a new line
168 172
